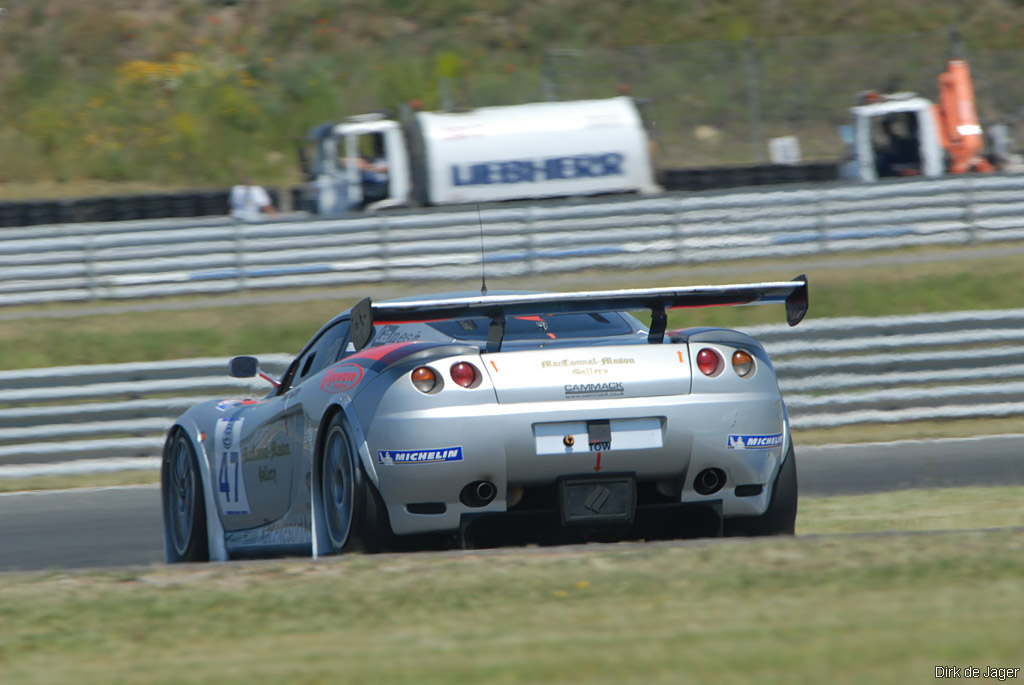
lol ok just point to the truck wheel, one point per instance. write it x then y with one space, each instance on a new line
353 510
184 505
780 517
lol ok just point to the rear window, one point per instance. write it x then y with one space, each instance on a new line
543 327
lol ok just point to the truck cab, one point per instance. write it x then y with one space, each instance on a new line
897 136
904 134
361 163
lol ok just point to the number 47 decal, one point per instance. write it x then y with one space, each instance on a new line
230 475
229 468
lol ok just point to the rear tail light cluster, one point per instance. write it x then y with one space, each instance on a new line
465 374
427 380
711 364
742 363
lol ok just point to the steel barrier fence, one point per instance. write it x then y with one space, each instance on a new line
832 372
87 262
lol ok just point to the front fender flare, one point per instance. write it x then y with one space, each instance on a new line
217 546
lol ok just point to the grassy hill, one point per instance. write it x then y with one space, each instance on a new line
190 93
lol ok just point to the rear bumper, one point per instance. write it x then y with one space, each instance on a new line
544 526
422 460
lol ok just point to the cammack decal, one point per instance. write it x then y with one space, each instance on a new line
588 390
754 442
444 454
341 378
538 170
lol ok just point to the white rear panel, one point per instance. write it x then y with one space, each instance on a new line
573 374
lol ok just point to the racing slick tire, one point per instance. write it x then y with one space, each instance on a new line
184 505
353 511
780 516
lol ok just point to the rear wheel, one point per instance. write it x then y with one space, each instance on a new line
354 512
184 506
780 516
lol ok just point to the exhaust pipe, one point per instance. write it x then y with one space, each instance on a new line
479 493
709 481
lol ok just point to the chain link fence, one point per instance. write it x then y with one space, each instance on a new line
720 102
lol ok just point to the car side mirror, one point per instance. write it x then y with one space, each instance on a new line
243 367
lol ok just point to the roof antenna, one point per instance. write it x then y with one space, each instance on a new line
483 269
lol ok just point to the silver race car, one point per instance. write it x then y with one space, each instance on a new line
493 419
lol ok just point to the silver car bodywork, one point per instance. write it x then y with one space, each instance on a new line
574 409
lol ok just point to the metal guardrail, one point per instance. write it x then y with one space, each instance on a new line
84 262
832 372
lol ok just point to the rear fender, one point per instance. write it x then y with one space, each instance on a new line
355 432
706 334
723 340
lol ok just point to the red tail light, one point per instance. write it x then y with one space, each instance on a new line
708 361
465 374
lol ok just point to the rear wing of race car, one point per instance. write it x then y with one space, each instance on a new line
366 313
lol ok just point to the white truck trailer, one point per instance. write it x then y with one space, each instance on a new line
489 154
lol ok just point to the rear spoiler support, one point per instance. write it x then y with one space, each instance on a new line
659 322
496 308
496 332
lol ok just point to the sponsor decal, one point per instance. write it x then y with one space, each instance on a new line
586 367
391 457
224 405
230 485
228 434
267 447
593 361
388 335
267 474
341 378
283 532
538 170
754 442
575 391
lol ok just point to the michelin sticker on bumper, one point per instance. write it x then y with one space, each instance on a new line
754 442
391 457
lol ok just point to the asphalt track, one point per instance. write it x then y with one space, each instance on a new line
121 526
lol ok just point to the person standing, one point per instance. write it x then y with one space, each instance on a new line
250 202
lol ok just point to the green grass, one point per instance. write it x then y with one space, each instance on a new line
195 92
913 510
812 609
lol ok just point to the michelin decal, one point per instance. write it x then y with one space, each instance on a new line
392 457
754 442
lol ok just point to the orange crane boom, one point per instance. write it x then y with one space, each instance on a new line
959 129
